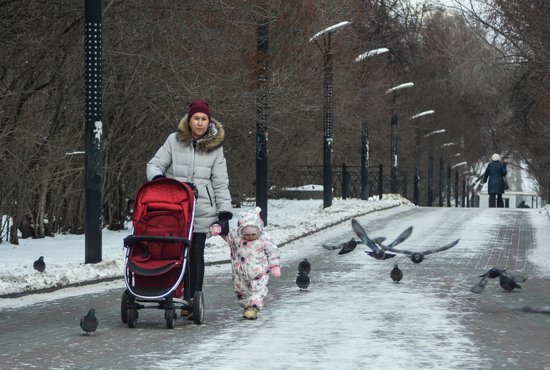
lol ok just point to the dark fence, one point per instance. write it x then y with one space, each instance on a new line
346 183
346 180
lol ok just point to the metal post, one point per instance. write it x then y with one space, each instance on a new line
327 143
326 35
448 186
393 181
345 181
365 161
261 123
405 185
430 180
380 181
416 169
365 133
456 188
463 203
93 131
441 174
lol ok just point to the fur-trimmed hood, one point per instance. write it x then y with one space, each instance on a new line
213 139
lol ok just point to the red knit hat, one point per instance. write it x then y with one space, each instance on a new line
197 106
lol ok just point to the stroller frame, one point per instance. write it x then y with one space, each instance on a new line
154 258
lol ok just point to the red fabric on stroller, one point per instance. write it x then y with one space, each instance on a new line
163 208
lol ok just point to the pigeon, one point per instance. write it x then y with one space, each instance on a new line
507 282
478 288
418 257
88 323
304 266
396 274
39 264
532 309
302 280
494 273
378 250
348 247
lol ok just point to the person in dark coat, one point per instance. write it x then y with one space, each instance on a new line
495 172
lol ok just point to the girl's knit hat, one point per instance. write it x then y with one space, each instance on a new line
248 219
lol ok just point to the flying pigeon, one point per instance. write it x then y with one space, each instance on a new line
344 247
348 247
532 309
304 266
302 280
39 264
378 250
494 273
396 274
418 257
478 288
88 323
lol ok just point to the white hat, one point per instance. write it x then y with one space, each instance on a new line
250 218
495 157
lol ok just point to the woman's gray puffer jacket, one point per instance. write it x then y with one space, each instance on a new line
198 161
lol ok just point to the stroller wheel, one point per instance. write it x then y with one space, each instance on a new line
198 308
132 317
170 317
124 307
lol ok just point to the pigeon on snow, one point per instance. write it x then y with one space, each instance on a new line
302 280
88 323
304 266
507 281
39 264
396 274
418 257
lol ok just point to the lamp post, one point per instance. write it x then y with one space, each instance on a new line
393 108
326 36
93 131
455 167
261 119
365 133
417 156
442 171
431 168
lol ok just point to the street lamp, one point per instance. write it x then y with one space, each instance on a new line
431 167
325 35
393 107
417 155
442 171
455 166
365 133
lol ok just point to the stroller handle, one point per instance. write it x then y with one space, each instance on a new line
132 239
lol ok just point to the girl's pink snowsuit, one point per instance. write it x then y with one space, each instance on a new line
251 261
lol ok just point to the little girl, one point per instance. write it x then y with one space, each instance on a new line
254 256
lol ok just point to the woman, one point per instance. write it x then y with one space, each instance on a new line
194 153
495 172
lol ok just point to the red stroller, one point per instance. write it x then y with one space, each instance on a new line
157 252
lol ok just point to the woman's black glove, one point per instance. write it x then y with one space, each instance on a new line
159 177
223 221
